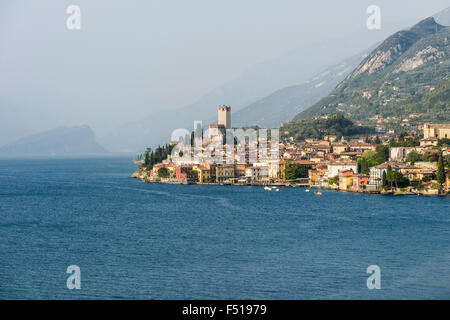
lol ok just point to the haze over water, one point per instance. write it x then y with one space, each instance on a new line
149 241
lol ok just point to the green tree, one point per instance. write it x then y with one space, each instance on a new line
163 173
147 158
441 170
384 181
364 166
445 142
413 157
333 180
389 176
295 171
382 152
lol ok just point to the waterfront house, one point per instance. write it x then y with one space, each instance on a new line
376 172
224 172
186 173
203 172
346 179
360 182
338 165
257 173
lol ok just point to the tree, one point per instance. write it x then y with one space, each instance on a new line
389 176
441 170
399 180
295 171
384 181
163 173
445 142
364 166
333 180
413 157
147 158
382 151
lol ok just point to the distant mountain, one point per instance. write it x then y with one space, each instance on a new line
443 17
253 84
398 78
282 105
60 141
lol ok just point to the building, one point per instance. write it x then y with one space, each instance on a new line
429 142
216 130
439 131
203 172
274 169
257 173
360 182
186 173
225 116
223 123
224 172
346 179
335 166
317 175
399 153
376 172
340 148
414 173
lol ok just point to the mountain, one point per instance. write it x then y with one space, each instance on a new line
252 85
282 105
398 78
318 127
60 141
443 17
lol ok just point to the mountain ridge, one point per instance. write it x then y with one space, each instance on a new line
409 62
60 141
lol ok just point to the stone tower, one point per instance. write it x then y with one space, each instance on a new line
225 116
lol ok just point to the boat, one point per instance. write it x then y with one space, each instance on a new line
277 189
268 188
318 193
307 190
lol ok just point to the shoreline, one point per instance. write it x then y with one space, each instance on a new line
144 178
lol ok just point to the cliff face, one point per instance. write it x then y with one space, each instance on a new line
60 141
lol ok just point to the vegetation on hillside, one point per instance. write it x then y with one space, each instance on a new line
318 127
408 73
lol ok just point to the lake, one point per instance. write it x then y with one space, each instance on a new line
133 240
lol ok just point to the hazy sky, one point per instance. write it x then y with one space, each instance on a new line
133 57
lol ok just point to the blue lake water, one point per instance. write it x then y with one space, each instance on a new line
148 241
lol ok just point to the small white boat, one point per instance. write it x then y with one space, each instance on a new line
307 190
277 190
268 188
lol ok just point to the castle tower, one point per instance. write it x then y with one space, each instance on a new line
225 116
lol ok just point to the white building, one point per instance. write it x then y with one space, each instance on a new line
335 167
399 153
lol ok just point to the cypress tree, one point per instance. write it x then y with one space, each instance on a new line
389 175
441 170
